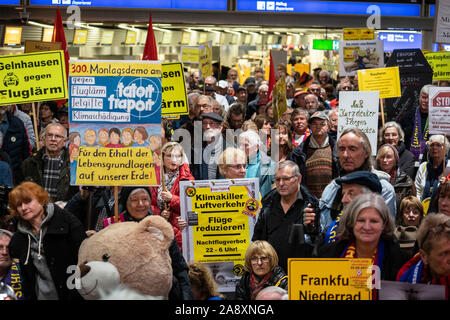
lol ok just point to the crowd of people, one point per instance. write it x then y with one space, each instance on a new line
343 202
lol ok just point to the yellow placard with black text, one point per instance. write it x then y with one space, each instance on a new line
31 77
174 95
329 279
384 80
358 34
440 63
191 55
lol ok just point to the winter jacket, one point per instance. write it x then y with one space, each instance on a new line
174 204
406 160
15 141
393 259
60 245
243 287
262 167
32 169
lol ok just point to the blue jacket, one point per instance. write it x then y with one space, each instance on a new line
262 167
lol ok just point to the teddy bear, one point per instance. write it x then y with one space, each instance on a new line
131 254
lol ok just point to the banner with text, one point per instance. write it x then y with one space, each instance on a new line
329 279
115 122
360 109
174 95
439 104
31 77
384 80
359 55
440 62
221 215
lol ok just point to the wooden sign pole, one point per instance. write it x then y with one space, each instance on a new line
382 110
35 115
116 203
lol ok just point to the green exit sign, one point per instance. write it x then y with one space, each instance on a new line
326 44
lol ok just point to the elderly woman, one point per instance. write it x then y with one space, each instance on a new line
409 216
432 264
387 160
232 163
261 271
392 133
441 202
166 201
203 285
366 231
427 178
46 243
136 203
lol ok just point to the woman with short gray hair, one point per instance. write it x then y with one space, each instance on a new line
366 231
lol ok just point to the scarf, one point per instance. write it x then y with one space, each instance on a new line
415 271
306 135
256 286
419 138
377 259
330 235
169 180
14 280
432 180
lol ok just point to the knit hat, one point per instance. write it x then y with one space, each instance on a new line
363 178
125 194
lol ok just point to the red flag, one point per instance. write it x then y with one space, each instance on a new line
150 52
59 36
272 80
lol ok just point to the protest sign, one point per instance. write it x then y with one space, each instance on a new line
439 110
221 215
441 30
329 279
440 62
190 54
115 122
360 109
32 77
415 72
174 95
206 60
384 80
358 55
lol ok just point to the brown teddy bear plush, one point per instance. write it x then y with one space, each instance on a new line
128 253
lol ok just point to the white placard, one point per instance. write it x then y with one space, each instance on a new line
359 55
442 22
360 109
439 110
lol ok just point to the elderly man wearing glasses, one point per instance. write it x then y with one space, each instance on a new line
284 207
49 167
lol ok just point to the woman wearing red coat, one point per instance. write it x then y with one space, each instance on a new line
167 202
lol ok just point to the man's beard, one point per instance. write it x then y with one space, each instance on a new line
211 135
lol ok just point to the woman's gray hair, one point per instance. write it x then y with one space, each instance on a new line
441 139
426 88
392 124
367 200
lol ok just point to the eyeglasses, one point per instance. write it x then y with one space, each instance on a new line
279 179
318 124
54 136
213 124
255 260
436 145
437 229
205 105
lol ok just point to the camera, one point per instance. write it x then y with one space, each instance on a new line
24 16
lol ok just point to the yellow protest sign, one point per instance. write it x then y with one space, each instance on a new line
301 67
115 166
440 63
358 34
220 216
384 80
329 279
174 96
206 60
32 77
279 98
189 54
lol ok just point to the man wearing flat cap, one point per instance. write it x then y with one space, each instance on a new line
317 156
212 146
